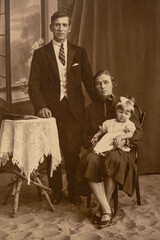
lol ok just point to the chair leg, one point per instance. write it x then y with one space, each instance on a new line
115 198
88 200
138 191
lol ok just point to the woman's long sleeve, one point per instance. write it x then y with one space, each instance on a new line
86 134
136 140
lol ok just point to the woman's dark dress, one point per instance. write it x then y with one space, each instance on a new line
117 164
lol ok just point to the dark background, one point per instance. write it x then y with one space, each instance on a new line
123 36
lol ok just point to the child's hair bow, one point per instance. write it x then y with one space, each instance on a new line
127 100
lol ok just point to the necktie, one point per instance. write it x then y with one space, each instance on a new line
61 54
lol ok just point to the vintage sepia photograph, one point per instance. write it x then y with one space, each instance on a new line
79 119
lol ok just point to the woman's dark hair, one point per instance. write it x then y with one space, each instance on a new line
60 14
106 72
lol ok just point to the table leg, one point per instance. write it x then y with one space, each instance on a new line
15 187
7 196
16 198
36 173
11 191
45 193
39 184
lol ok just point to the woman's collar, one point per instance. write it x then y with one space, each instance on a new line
109 98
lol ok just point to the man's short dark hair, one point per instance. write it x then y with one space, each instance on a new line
60 14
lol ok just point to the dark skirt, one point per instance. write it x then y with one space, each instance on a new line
117 164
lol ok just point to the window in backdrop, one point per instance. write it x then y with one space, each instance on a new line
23 30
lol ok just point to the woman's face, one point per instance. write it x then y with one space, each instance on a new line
103 85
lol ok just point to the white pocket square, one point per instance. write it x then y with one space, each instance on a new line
75 64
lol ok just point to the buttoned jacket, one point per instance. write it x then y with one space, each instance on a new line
44 80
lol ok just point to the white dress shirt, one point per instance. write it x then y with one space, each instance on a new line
61 68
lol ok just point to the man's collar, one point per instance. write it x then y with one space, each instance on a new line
54 42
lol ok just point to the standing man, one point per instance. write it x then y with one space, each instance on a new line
55 90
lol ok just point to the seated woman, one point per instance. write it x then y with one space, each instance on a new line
102 173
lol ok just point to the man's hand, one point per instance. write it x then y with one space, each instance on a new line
45 113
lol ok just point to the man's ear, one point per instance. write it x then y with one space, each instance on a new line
70 28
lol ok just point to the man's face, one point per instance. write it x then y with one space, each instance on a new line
60 28
104 85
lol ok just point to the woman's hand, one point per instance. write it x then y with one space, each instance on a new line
94 140
118 142
126 130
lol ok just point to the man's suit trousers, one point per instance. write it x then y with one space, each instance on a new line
69 130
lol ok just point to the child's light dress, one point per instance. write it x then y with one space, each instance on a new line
114 129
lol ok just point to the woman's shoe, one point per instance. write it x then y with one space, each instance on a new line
105 223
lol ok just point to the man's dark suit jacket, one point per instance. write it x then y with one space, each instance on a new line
44 80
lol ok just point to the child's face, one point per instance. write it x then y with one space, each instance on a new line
122 115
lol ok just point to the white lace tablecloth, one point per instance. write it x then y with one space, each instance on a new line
27 141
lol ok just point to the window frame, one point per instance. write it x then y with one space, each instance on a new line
7 104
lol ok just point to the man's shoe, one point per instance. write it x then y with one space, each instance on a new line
56 197
76 199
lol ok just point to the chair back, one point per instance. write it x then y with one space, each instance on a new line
141 115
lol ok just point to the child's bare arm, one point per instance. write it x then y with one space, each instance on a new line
94 140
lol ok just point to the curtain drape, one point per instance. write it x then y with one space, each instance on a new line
123 36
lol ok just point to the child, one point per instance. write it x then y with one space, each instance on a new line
117 129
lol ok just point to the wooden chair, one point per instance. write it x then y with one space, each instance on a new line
141 116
